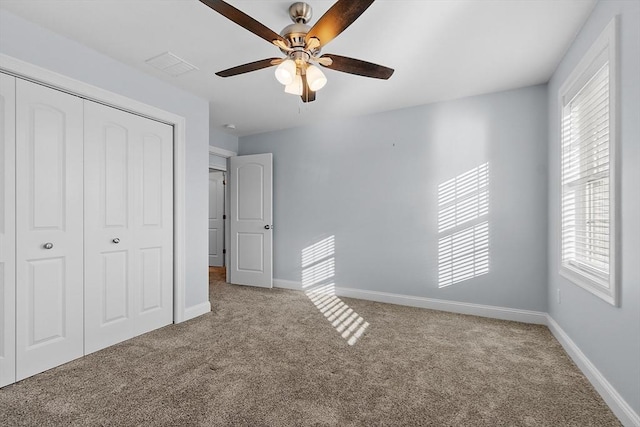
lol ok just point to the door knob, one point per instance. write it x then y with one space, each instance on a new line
48 245
267 227
116 240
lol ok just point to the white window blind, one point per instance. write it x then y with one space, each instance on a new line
587 172
585 179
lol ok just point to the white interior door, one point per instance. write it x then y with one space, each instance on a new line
128 203
251 220
49 282
7 230
216 221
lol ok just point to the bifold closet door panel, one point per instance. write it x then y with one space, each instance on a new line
7 230
49 191
128 225
108 205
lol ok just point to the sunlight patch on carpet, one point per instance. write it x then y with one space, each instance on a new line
318 273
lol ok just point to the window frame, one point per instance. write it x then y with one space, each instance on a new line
605 46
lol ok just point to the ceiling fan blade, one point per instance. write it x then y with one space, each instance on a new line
307 94
251 66
244 20
337 19
356 66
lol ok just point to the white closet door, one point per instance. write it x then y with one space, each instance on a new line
49 291
7 230
128 225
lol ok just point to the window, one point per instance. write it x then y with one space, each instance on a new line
588 141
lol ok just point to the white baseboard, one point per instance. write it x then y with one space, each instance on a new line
609 394
526 316
494 312
287 284
196 310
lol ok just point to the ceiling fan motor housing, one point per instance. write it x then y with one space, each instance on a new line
295 33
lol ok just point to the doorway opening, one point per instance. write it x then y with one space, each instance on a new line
217 217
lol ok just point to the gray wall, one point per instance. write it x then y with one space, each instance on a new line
607 335
372 183
36 45
220 139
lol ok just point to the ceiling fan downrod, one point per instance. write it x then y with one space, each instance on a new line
300 12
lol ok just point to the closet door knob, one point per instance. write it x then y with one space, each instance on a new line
48 245
116 240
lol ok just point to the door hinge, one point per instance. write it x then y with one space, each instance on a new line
224 217
224 182
224 251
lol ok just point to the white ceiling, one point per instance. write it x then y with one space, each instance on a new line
440 49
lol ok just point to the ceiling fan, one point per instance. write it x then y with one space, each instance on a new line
301 44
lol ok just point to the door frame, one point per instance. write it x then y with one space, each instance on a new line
221 152
36 74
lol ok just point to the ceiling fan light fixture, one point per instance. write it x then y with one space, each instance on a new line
295 87
286 72
315 78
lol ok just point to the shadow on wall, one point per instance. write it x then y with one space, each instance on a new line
463 208
318 274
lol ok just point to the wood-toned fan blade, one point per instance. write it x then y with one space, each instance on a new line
337 19
244 20
251 66
307 94
356 66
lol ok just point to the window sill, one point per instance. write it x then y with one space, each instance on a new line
605 292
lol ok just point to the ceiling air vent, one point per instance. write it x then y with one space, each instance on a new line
170 64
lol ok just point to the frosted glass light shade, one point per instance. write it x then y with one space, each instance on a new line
286 72
295 87
315 78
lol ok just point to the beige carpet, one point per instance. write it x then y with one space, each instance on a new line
271 358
